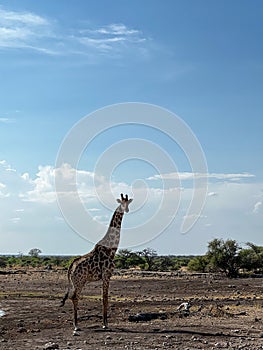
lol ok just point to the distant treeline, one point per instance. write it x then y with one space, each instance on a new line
124 259
46 262
222 256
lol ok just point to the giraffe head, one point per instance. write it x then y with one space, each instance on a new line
124 203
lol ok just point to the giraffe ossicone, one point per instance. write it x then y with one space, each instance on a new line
97 264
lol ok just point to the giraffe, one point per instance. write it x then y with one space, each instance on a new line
97 265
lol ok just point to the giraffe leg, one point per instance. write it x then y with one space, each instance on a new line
105 287
75 300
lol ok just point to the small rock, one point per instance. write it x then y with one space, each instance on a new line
21 330
35 330
50 346
169 336
221 345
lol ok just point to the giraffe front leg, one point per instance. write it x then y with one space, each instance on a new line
106 283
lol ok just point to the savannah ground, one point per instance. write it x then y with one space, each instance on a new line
225 313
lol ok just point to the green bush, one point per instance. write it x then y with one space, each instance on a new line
199 264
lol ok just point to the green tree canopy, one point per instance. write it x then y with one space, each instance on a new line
149 255
251 259
34 252
223 256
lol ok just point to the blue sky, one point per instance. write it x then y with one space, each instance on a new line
60 61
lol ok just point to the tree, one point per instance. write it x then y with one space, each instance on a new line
251 259
34 252
223 256
149 255
198 263
121 259
126 259
166 263
3 262
135 260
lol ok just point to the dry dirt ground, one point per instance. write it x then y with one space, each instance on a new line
224 314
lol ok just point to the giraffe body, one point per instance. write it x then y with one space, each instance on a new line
98 264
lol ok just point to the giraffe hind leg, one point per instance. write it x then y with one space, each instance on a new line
74 296
105 292
75 300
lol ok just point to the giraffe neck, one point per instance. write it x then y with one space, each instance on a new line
112 236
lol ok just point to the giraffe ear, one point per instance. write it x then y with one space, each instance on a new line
118 200
130 200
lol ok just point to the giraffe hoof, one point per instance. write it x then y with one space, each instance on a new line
104 327
75 333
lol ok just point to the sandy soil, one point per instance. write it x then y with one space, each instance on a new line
224 314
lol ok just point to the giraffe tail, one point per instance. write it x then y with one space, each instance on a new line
62 303
66 296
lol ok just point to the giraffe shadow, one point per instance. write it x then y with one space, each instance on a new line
90 317
122 330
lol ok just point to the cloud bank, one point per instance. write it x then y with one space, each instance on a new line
29 212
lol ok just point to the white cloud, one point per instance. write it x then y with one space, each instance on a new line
195 216
43 186
114 41
257 207
212 194
190 176
101 44
23 30
26 18
27 30
117 29
7 120
113 31
15 220
3 193
12 181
